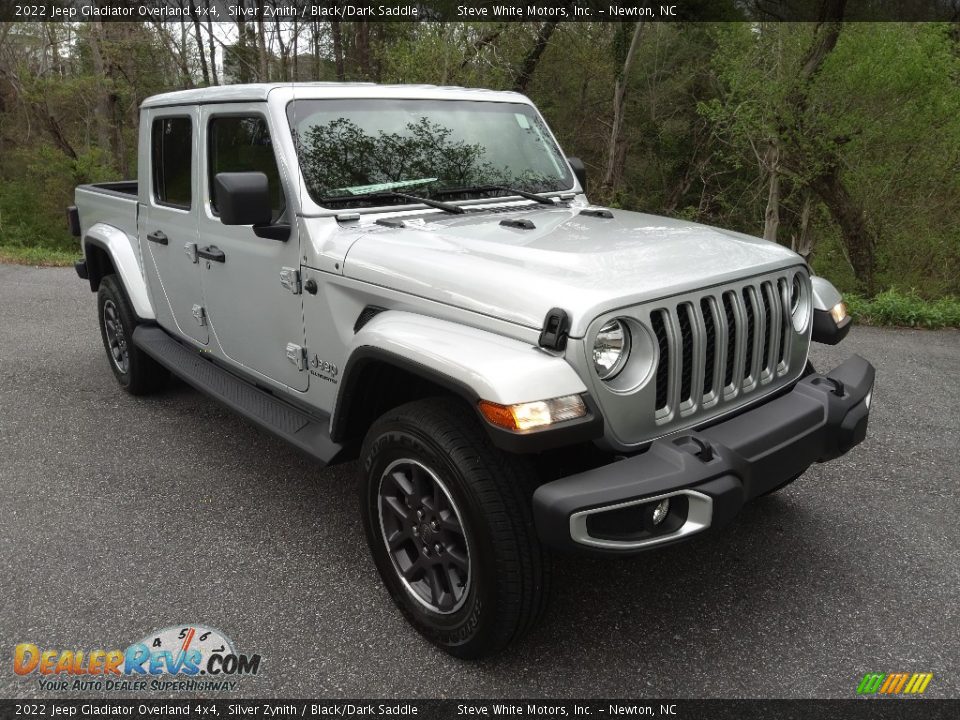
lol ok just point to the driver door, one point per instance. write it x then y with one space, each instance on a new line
255 320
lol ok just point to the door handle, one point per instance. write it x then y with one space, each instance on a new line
158 237
212 252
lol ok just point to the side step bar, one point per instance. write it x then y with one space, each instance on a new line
305 432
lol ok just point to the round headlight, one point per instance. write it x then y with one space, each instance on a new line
611 348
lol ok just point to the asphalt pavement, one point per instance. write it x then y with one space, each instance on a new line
122 515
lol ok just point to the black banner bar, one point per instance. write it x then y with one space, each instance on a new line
854 709
471 10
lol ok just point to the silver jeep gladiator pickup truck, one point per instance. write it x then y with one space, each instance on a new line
412 276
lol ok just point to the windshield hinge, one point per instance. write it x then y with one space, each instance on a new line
556 327
290 279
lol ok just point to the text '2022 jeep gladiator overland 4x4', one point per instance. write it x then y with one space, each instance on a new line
413 276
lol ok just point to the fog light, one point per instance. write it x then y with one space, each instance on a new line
839 312
661 511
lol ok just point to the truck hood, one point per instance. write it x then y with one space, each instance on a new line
586 265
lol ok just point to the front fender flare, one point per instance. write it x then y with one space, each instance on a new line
125 258
475 364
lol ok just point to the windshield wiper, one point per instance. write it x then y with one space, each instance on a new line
542 199
446 207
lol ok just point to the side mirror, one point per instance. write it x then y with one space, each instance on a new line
576 164
243 198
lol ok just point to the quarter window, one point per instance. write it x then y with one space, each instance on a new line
172 140
243 144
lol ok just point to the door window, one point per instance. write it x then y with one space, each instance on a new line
172 157
243 144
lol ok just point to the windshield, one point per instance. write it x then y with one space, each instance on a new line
353 153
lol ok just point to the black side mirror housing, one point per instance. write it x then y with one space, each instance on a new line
243 198
576 164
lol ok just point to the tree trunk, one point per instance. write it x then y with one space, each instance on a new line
262 45
771 165
529 64
616 149
184 64
203 55
361 45
296 52
377 61
803 244
55 59
213 52
121 33
284 51
859 238
316 50
104 109
242 70
338 49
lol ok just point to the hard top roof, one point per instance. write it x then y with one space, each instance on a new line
254 92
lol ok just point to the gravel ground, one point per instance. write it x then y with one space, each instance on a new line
123 515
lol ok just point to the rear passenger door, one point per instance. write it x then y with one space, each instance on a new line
256 320
167 223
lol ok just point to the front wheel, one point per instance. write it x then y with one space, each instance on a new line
449 523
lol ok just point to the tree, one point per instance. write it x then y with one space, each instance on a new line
616 150
529 63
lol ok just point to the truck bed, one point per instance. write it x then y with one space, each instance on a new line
111 203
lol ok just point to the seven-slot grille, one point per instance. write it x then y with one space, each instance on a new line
725 345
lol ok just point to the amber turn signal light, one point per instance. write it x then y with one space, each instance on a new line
536 414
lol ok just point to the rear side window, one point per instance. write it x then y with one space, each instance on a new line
172 143
243 144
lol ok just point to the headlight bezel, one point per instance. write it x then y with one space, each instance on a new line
636 367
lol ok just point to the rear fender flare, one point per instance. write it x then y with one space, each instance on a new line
124 255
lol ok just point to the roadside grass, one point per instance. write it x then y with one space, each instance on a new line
37 256
904 309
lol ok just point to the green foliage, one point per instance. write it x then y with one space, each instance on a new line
905 309
889 94
882 113
32 218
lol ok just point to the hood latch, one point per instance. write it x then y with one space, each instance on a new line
556 327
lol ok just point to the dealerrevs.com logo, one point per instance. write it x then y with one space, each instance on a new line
181 657
894 683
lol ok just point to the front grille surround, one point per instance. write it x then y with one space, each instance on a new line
714 351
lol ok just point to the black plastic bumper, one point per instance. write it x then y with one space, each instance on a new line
718 469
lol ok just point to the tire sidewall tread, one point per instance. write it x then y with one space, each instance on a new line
510 569
144 375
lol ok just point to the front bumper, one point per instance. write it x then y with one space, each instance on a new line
708 474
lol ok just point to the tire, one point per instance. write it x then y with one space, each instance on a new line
136 371
456 477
